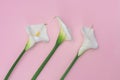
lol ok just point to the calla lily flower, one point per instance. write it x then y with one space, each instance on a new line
64 34
64 31
36 34
89 42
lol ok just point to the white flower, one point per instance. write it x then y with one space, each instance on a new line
36 34
89 42
64 32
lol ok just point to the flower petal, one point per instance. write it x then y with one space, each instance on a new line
89 42
64 28
37 33
44 35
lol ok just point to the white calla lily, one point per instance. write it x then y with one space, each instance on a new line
89 42
64 32
36 34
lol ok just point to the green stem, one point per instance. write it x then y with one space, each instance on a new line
45 62
13 66
70 66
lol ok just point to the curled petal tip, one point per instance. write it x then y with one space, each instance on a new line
45 24
92 26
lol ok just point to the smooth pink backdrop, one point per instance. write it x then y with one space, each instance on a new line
100 64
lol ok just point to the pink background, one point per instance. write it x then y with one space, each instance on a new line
100 64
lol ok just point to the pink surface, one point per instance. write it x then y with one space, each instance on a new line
100 64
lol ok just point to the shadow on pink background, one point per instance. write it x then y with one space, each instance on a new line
100 64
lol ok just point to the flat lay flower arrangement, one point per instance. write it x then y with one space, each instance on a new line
38 33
